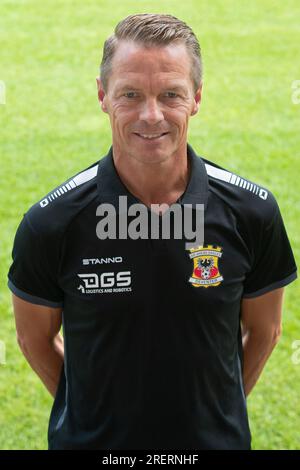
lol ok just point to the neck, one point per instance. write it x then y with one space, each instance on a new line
161 182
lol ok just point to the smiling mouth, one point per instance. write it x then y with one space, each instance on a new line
151 137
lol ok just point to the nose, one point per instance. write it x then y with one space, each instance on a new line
151 112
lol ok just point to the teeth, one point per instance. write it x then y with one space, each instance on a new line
153 136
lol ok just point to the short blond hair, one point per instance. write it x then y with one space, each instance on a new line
148 30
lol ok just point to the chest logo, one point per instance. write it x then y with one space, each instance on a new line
206 270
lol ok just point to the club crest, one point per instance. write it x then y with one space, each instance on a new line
206 270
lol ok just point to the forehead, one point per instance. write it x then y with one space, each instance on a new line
132 60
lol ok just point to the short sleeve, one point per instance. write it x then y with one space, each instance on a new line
33 273
274 264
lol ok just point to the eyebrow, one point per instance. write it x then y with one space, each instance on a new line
170 88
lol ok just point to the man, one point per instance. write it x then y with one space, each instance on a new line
161 344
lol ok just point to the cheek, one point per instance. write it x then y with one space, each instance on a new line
181 126
121 119
178 118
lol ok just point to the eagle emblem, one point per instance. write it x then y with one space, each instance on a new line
206 270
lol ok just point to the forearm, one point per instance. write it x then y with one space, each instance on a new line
257 349
46 359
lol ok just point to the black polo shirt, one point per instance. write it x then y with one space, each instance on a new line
152 337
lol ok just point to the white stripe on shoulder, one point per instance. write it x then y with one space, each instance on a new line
235 180
79 179
86 175
218 173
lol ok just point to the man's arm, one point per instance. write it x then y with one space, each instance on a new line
39 339
261 329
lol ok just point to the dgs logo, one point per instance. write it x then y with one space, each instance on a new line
106 280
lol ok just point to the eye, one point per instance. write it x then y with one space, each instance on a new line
130 94
172 94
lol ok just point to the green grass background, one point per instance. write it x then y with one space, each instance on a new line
52 127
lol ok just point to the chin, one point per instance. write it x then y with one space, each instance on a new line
150 157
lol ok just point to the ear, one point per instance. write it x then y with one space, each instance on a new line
197 100
101 95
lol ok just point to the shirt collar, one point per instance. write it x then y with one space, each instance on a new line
110 186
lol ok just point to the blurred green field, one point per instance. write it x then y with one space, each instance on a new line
52 127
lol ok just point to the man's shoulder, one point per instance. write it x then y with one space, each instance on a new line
54 211
245 197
